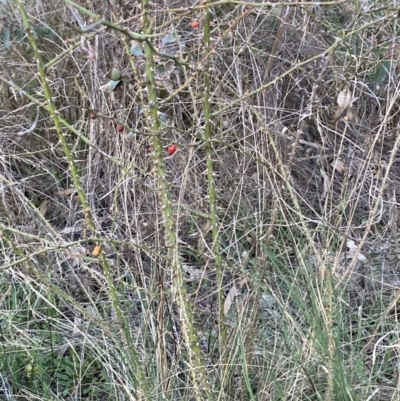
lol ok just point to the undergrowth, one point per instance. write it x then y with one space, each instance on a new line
199 200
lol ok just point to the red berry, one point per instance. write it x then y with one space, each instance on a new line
120 128
194 24
171 149
150 149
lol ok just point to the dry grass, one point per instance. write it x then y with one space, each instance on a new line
230 258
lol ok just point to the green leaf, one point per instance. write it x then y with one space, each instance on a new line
115 74
20 35
136 49
109 86
161 69
43 30
86 389
163 118
380 51
170 38
6 38
382 71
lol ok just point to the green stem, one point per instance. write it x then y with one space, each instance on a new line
132 357
211 187
201 384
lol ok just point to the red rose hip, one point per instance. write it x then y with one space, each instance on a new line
171 149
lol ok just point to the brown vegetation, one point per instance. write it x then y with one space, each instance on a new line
240 224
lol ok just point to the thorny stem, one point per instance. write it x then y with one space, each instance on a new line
211 188
131 355
202 386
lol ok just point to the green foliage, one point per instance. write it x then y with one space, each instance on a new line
382 71
48 362
10 36
136 49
